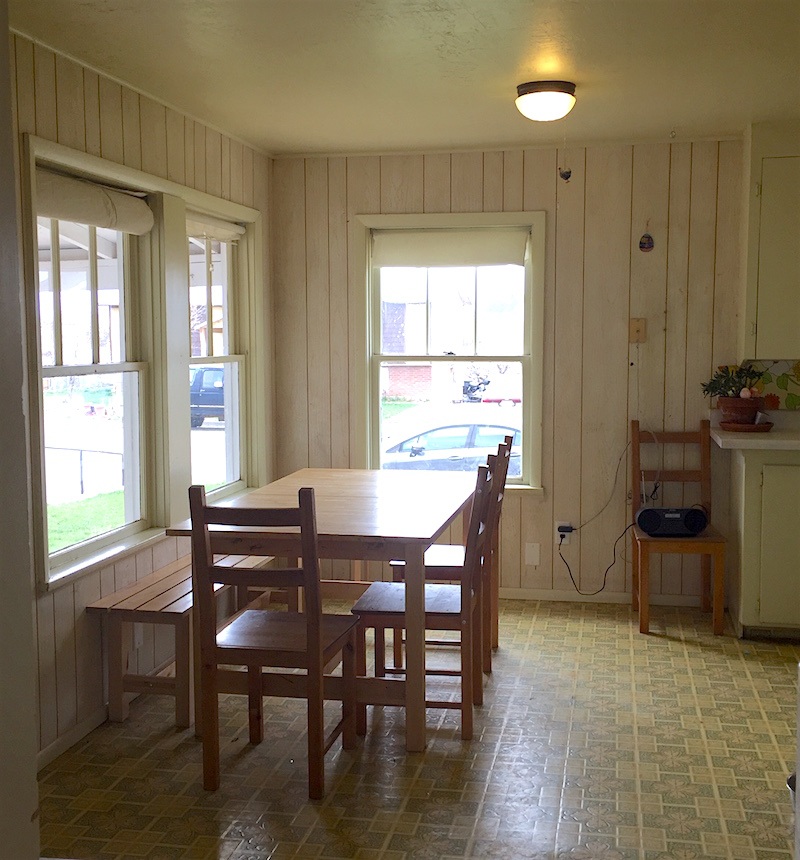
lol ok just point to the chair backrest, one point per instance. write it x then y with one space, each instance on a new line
700 476
478 530
244 531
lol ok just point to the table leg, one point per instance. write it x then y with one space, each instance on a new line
415 648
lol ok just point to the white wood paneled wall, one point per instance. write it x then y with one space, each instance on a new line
57 99
687 195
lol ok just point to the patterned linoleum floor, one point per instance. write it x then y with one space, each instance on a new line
593 742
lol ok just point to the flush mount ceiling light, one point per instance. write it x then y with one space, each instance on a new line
545 100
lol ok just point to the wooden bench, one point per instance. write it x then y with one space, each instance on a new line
162 597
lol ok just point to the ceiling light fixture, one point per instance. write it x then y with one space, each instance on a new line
545 100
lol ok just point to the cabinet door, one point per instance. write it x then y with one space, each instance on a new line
778 308
780 546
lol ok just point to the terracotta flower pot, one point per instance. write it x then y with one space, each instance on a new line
740 410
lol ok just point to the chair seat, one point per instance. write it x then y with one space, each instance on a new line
281 631
708 535
389 598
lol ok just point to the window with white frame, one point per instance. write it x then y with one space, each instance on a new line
456 345
122 315
215 373
91 402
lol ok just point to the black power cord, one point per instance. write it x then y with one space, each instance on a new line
564 531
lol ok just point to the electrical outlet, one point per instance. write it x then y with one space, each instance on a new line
566 535
532 554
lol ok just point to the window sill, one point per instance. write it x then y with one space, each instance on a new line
66 574
526 489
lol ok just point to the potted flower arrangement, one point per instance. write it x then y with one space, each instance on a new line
737 391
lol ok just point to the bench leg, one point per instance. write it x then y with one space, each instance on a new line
117 667
184 693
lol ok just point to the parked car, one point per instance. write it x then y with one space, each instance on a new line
206 393
453 439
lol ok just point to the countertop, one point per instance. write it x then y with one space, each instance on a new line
784 436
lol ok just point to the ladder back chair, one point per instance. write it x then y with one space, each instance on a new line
445 563
259 639
709 544
447 607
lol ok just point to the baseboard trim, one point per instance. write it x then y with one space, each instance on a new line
70 738
604 597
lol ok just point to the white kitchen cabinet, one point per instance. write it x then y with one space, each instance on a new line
764 592
771 320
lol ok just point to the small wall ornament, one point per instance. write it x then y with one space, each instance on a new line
646 243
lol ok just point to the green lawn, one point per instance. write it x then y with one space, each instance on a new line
390 408
73 522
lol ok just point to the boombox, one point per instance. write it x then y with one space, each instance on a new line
672 522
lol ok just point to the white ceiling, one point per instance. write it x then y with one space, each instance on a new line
329 76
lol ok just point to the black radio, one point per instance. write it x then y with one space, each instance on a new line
672 522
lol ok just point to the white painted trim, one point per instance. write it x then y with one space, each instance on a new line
70 738
549 596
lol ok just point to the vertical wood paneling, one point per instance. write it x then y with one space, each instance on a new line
46 651
567 348
112 145
25 101
153 119
339 350
70 106
437 181
289 254
175 146
44 66
131 129
605 333
213 162
66 672
493 182
466 177
319 312
91 101
512 180
58 99
401 183
539 194
200 182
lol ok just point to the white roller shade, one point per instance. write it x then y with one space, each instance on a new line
438 247
205 227
70 199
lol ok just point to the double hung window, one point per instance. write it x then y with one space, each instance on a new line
456 346
214 371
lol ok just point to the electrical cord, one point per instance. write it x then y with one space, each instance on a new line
610 495
605 575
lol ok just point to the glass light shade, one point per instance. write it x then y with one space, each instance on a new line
545 101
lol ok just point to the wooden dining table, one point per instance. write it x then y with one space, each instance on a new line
375 515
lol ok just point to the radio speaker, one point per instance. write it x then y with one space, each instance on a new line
672 522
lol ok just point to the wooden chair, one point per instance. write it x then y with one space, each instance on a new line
259 639
445 563
447 607
710 544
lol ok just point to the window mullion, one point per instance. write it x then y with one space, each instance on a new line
209 300
93 295
55 266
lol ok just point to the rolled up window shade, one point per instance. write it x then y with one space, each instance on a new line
205 227
69 199
442 247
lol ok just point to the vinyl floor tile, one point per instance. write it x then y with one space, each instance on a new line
593 743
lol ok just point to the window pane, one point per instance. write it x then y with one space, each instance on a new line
92 454
501 310
451 293
403 297
46 293
449 415
208 296
110 280
214 403
76 297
